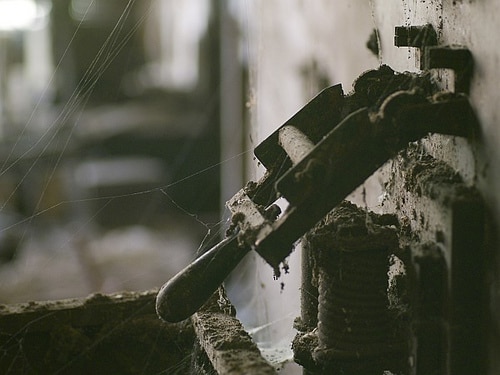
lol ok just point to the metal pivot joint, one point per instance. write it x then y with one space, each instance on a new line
316 159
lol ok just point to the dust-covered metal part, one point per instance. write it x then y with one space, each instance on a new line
352 152
457 58
446 221
468 297
296 144
432 56
353 136
314 120
355 331
250 218
415 36
429 326
229 348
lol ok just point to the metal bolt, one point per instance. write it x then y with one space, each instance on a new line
295 143
353 300
429 326
354 331
457 58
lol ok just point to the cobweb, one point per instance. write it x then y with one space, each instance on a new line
54 259
52 244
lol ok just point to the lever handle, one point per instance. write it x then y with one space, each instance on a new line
186 292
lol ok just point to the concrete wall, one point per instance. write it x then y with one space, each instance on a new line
297 47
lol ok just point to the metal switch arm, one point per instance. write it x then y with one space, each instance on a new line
325 164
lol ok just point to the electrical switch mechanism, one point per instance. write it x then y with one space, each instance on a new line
314 161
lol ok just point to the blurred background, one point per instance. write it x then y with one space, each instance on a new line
110 141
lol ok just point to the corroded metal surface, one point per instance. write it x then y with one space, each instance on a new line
386 112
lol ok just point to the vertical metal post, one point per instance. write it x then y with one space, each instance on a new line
429 326
468 290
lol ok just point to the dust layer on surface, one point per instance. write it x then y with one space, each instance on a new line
228 346
102 334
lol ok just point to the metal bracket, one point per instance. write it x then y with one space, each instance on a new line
457 58
424 38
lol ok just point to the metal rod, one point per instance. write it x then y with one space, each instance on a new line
295 143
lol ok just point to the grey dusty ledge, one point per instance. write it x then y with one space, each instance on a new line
79 312
228 346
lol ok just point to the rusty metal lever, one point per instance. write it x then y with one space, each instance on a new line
187 291
331 161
